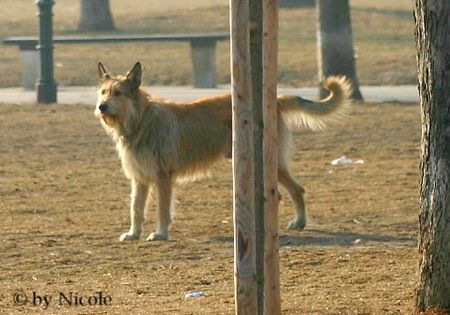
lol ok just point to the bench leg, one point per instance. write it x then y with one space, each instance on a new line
30 67
204 63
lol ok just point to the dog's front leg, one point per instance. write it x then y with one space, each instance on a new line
139 194
164 187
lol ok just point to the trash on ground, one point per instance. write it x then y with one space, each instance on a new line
344 160
357 241
194 294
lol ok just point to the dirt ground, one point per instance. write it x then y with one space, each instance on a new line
64 202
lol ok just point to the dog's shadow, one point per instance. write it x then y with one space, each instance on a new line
319 237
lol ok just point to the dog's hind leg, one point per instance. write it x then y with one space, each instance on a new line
139 193
294 189
164 188
296 192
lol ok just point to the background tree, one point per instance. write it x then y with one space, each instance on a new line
432 32
95 16
334 38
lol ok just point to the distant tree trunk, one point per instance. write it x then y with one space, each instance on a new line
95 16
335 43
432 32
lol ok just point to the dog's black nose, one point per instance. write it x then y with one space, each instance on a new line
103 107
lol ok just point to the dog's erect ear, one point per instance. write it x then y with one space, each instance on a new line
134 76
102 73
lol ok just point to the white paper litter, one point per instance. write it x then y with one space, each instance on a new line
194 294
344 160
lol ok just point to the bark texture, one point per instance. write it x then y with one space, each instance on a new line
432 32
334 38
96 16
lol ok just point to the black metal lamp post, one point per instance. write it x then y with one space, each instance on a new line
46 85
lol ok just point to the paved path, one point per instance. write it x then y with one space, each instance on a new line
88 94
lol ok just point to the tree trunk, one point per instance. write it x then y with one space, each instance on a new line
335 43
96 16
432 34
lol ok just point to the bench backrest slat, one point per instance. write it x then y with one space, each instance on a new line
30 41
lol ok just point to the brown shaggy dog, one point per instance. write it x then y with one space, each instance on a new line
160 142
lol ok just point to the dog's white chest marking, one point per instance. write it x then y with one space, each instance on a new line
141 167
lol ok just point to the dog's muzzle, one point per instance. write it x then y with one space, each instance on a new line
103 108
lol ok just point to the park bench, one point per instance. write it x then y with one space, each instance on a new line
203 48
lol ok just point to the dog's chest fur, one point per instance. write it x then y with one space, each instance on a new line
135 164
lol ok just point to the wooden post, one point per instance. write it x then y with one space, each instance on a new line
255 154
256 62
272 299
243 166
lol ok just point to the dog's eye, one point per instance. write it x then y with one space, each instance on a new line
117 93
103 92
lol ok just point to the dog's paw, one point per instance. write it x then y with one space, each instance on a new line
158 237
129 237
297 224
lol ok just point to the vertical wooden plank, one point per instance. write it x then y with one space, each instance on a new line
272 302
256 63
243 166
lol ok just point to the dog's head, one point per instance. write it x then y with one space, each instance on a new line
116 95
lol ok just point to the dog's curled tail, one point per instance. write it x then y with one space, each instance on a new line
300 112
